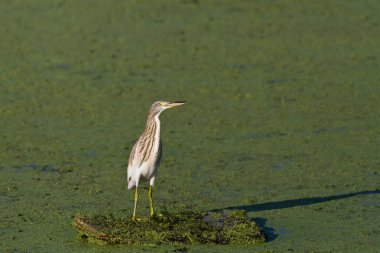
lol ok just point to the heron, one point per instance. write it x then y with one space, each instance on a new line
146 153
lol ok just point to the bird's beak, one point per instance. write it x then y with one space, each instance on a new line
177 103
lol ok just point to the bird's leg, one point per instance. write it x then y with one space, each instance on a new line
151 201
134 209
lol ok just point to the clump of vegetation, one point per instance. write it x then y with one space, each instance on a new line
223 227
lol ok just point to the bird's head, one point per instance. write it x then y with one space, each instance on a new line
160 106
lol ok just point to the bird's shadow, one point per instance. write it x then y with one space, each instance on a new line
270 232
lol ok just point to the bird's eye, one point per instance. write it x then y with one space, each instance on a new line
129 179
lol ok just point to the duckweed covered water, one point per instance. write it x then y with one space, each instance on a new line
283 120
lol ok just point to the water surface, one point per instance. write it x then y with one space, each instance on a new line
283 120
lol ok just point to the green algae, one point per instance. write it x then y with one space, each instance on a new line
284 114
231 227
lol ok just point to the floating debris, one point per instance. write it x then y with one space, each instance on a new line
222 227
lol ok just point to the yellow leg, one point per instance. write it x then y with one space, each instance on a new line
134 209
151 201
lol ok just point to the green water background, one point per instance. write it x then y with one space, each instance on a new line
283 120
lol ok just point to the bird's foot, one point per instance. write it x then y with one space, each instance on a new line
134 219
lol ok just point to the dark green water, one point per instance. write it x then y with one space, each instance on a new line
283 120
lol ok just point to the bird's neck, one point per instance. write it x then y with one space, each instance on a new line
153 125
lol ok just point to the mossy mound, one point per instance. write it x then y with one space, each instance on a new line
223 227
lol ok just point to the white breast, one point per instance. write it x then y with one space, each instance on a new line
148 168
